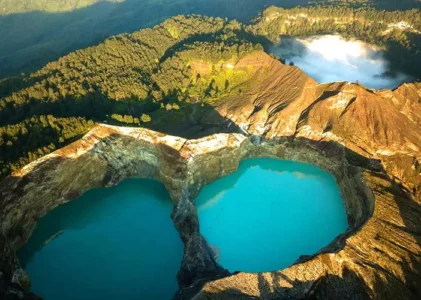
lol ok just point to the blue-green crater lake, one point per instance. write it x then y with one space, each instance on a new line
269 212
114 243
120 242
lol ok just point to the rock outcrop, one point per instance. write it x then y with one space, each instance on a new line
369 140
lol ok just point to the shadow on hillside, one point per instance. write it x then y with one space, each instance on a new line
328 287
195 121
193 115
409 203
13 84
403 59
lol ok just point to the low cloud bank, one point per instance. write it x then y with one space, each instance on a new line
331 58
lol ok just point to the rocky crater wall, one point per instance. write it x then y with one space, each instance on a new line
108 154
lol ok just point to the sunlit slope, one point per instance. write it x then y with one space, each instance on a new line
273 88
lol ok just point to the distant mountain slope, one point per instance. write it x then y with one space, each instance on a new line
24 6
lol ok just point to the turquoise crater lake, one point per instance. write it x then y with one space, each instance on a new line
115 243
269 212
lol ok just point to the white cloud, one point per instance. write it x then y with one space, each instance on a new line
331 58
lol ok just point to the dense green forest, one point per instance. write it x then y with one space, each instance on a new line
158 76
35 137
128 79
377 4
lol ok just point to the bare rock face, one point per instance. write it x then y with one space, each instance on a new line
369 140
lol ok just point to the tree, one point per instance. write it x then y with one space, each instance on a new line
145 118
227 85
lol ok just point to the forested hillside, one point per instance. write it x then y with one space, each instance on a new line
33 138
124 79
378 4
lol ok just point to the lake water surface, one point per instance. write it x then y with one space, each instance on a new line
268 213
115 243
120 242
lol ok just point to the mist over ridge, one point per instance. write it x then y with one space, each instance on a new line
330 58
